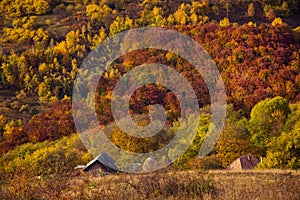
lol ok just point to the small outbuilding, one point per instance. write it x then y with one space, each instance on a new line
102 163
247 162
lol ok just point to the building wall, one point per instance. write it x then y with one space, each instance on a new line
97 167
236 165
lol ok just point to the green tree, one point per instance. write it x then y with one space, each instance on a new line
267 120
193 150
234 140
284 151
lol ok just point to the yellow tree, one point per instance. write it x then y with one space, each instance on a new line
251 10
96 12
2 124
120 24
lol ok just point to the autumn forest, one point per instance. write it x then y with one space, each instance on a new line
255 45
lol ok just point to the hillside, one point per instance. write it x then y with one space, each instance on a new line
255 46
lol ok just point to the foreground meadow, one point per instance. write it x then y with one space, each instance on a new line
279 184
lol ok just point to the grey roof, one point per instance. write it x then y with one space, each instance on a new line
105 160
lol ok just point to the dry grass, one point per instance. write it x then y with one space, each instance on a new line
161 185
274 184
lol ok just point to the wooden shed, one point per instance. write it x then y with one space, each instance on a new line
102 163
247 162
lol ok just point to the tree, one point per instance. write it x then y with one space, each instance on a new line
2 124
225 22
10 69
98 38
53 124
285 8
44 91
284 151
227 5
277 21
181 17
153 17
41 7
96 12
251 10
199 8
18 8
234 140
120 24
193 150
267 120
13 135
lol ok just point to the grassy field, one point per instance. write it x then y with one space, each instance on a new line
161 185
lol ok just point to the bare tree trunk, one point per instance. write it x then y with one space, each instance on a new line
227 10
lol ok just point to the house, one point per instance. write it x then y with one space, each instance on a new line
102 163
247 162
